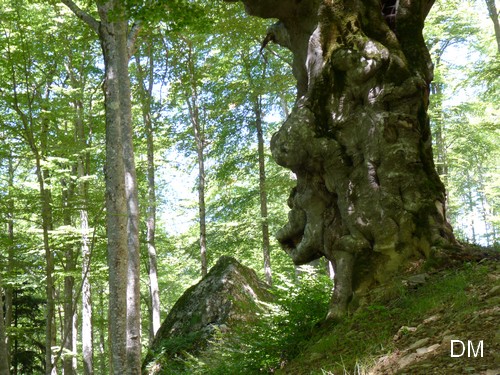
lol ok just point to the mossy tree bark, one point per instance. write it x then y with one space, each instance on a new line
368 197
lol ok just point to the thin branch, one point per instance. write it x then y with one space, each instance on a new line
132 37
84 16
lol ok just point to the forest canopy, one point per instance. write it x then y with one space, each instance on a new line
135 144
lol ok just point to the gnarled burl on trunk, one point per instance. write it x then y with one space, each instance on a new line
368 197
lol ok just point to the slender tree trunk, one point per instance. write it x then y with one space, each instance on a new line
47 226
102 338
471 208
493 12
150 235
39 151
87 328
4 353
82 172
116 204
43 176
132 204
486 214
121 184
10 254
68 334
16 342
121 194
368 197
199 137
117 246
146 94
263 192
201 194
440 148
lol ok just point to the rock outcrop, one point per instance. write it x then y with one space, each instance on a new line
230 294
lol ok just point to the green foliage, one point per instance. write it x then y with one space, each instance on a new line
276 337
464 116
28 330
173 358
51 76
176 15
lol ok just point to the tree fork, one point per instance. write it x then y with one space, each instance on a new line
368 197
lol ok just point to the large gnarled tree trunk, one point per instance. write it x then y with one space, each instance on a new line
368 197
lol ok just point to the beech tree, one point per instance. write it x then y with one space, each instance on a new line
257 109
121 188
4 353
493 13
368 197
198 126
262 191
145 88
29 102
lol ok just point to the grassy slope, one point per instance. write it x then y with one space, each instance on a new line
391 333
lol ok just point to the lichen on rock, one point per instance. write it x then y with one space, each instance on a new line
230 294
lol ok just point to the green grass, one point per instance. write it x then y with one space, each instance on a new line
355 343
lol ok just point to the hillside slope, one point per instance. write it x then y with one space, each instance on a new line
408 328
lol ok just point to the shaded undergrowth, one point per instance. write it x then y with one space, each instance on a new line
353 345
291 338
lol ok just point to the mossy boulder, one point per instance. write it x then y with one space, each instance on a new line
230 294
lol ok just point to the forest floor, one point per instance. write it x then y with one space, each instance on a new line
409 328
